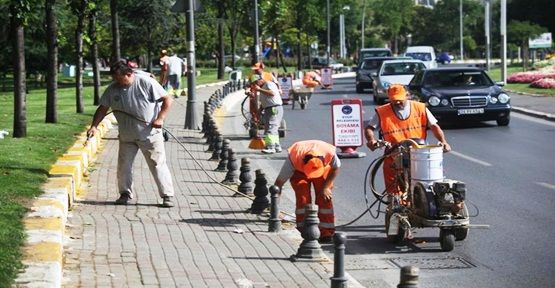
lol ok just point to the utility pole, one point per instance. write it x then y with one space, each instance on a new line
503 40
328 50
256 37
487 32
461 28
362 24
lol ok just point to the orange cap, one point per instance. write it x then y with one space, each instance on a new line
397 92
313 166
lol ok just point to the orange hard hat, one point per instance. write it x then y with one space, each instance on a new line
397 92
313 165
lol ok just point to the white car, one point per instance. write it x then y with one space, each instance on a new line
394 72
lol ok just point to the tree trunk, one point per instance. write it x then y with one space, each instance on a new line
116 51
20 85
299 44
80 108
94 56
525 54
52 62
221 50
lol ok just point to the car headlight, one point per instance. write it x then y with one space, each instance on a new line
503 98
434 101
444 102
493 100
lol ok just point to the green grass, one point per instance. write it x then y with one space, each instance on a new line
495 75
24 162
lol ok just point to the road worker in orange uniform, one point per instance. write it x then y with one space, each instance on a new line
312 79
399 120
312 162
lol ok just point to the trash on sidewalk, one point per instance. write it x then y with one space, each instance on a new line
239 231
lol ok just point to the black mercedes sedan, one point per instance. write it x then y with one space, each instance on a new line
455 94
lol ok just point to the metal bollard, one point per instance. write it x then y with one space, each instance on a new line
231 178
274 223
245 177
214 139
310 250
409 277
217 148
260 201
339 280
224 156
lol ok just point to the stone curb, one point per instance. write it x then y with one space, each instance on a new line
45 222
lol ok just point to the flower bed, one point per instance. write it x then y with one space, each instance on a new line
529 77
545 83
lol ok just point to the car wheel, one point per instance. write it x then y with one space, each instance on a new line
359 89
503 121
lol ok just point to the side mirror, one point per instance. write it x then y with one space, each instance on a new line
374 74
500 83
414 87
355 68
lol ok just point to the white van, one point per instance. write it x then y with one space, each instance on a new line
424 53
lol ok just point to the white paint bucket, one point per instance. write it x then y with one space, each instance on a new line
426 163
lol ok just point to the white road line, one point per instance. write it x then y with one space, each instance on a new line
470 158
546 185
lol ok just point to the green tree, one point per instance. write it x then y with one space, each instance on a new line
393 21
52 66
519 32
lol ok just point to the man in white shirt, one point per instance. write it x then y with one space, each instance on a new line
176 67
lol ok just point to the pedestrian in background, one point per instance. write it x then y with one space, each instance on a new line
134 99
272 112
312 163
176 69
164 58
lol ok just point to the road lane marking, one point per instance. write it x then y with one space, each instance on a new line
470 158
546 185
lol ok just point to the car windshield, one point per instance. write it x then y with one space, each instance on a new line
377 53
371 64
420 56
402 68
456 79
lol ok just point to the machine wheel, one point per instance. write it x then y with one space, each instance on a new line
282 128
400 236
504 121
446 240
303 105
461 233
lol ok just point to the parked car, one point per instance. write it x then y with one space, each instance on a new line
461 94
364 72
321 62
424 53
394 72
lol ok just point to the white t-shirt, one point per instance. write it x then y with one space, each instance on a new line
275 99
175 65
140 99
402 114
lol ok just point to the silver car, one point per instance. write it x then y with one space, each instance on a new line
394 72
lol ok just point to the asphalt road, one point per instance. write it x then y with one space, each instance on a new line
510 187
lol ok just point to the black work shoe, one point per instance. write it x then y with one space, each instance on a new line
167 201
123 199
326 239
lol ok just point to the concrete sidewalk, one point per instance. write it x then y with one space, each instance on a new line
206 240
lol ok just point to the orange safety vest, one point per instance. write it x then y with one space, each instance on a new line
395 130
298 151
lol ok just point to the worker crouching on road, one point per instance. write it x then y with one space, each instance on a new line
134 99
312 79
312 162
272 112
399 120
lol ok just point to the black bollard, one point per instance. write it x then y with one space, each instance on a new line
231 178
217 148
205 117
409 277
274 223
212 143
260 202
339 280
310 250
212 127
245 177
224 156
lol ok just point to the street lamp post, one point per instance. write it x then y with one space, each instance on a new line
503 29
191 117
328 50
487 23
256 36
461 28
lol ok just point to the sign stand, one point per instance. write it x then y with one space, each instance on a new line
327 80
347 127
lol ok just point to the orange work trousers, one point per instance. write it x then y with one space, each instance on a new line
389 177
301 185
